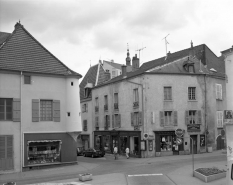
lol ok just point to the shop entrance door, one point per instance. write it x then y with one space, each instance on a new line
115 142
220 143
194 137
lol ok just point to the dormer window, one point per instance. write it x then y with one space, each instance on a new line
87 90
191 68
188 66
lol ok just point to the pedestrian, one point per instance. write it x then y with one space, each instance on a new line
127 152
115 152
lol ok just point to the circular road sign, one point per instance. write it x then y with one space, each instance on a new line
179 132
179 141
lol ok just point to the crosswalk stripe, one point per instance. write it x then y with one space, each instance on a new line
138 175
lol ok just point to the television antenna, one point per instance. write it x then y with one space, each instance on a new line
140 50
166 42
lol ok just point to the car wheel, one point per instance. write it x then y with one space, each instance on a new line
92 156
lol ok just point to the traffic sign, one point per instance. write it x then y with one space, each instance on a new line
179 141
179 132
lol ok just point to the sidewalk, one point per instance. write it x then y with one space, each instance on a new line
181 176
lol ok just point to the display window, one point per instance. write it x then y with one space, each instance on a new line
45 151
166 143
106 142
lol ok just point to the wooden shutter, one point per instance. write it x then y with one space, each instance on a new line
175 117
132 119
86 107
220 91
105 121
199 117
161 118
140 118
2 153
6 152
16 110
108 121
119 120
186 117
83 108
113 125
35 110
56 111
170 93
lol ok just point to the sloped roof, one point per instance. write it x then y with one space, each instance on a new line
22 52
201 52
3 37
115 65
227 50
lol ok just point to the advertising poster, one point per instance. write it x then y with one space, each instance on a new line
150 143
143 145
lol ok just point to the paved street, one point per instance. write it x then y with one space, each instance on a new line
161 170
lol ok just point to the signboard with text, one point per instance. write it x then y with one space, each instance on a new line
193 128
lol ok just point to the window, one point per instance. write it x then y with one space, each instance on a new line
116 120
115 101
96 123
85 107
191 68
84 125
167 93
87 92
72 83
113 74
46 113
97 104
192 93
27 79
135 95
105 102
192 117
136 118
219 119
106 122
68 114
219 91
168 118
6 109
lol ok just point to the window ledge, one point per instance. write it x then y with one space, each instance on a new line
168 100
192 101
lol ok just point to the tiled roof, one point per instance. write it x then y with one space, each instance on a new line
3 37
90 77
22 52
202 52
227 50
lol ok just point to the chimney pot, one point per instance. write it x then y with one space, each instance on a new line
123 68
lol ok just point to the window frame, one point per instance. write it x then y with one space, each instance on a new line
219 119
5 112
46 111
168 119
192 117
135 95
27 79
218 91
192 96
166 91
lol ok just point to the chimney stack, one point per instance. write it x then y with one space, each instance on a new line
135 63
123 68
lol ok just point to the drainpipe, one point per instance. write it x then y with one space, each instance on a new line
142 107
21 117
206 125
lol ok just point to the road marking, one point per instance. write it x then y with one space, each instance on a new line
64 183
139 175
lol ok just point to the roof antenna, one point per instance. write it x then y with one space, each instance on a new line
166 42
140 50
90 63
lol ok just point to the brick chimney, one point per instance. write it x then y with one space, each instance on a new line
135 63
123 69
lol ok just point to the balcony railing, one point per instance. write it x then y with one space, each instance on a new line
105 107
116 106
135 104
96 109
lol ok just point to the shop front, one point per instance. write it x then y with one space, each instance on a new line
166 143
42 149
107 140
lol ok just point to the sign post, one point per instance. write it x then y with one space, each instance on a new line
179 133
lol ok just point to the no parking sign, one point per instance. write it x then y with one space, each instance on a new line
179 141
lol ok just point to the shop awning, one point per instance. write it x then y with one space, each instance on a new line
44 141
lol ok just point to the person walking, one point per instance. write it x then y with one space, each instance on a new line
115 152
127 152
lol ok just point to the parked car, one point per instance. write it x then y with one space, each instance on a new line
92 152
79 151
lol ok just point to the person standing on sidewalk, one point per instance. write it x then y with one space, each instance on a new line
127 152
115 152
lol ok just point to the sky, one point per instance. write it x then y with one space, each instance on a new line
82 32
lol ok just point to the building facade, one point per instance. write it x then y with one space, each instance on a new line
143 109
39 105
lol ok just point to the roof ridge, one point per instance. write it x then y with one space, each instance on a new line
21 26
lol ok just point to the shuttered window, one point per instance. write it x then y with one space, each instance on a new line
84 125
6 109
219 119
193 117
117 120
219 91
97 123
192 93
6 152
46 110
167 93
168 118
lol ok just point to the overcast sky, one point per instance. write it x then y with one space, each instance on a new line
81 32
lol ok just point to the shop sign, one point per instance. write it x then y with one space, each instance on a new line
202 140
147 136
179 132
136 127
228 114
193 128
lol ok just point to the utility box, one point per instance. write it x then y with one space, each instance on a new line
229 137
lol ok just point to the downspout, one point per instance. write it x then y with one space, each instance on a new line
142 105
21 134
206 125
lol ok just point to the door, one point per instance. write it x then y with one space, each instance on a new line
6 153
115 142
194 140
220 143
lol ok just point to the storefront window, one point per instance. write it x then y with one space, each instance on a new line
123 144
106 143
46 151
97 142
166 143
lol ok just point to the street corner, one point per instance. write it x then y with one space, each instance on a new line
155 179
